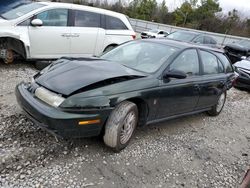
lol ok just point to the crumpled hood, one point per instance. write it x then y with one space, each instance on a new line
68 75
244 64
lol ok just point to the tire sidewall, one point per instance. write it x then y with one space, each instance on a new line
119 128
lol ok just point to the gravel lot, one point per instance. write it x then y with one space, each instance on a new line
194 151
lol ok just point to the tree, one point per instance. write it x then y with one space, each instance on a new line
182 13
163 12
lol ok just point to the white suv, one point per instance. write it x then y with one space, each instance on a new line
45 30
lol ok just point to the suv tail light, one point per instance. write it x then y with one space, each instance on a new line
134 36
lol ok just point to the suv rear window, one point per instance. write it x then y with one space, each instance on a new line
87 19
115 23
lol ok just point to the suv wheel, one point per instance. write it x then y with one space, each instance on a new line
9 56
121 125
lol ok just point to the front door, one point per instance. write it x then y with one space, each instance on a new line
52 39
178 96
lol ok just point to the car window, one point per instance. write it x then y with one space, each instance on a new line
210 63
141 55
220 68
227 65
55 17
25 23
87 19
199 40
187 62
114 23
209 40
182 36
161 33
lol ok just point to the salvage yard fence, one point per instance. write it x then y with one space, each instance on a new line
142 25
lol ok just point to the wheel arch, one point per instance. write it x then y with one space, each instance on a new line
143 109
110 45
15 44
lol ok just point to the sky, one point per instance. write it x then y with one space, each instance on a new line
243 6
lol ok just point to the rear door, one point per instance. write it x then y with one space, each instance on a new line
84 32
178 96
213 80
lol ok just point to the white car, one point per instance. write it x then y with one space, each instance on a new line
154 33
46 30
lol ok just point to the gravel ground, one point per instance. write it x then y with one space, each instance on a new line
194 151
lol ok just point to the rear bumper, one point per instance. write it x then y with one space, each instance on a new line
57 121
242 83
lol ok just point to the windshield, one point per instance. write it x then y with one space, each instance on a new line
182 36
141 56
21 10
245 43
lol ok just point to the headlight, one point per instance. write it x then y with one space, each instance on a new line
49 97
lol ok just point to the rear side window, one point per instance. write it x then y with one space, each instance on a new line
210 63
199 40
227 65
115 23
54 17
209 40
87 19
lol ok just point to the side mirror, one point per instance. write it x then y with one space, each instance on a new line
36 22
175 74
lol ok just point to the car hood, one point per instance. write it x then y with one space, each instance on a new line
238 47
69 75
244 64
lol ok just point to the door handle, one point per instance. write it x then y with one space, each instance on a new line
65 35
75 35
197 87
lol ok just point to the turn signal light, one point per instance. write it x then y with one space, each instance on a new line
88 122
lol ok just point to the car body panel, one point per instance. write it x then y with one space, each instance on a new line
243 69
76 41
91 85
72 71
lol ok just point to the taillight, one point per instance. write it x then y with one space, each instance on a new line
133 36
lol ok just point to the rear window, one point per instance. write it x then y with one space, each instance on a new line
227 65
115 23
87 19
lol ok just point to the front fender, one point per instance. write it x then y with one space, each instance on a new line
23 37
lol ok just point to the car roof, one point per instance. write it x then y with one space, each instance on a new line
90 8
183 45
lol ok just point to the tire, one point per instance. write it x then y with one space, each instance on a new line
116 137
217 108
42 64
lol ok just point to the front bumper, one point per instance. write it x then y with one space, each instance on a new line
57 121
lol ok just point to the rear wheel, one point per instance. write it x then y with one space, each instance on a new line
121 125
216 109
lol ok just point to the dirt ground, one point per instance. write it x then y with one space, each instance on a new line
193 151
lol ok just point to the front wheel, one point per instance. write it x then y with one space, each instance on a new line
121 125
9 56
217 108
